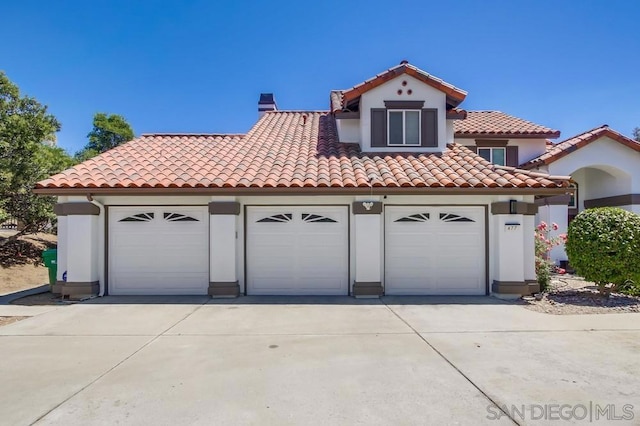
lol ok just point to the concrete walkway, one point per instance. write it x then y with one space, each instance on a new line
193 360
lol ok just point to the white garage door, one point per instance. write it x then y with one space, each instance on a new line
297 250
434 250
158 250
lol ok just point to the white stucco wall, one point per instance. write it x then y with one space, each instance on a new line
368 245
450 130
528 261
83 253
348 130
604 182
508 259
375 98
528 149
622 164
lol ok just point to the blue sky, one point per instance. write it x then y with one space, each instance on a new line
199 66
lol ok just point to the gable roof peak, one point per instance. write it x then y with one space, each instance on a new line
567 146
454 94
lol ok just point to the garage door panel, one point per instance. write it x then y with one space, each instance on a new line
315 271
305 251
457 284
152 284
276 266
457 239
167 253
434 250
269 287
327 253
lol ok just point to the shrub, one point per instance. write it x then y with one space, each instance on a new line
604 247
543 245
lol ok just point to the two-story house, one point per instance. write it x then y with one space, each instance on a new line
394 190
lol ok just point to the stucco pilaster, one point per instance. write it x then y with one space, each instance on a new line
368 251
223 278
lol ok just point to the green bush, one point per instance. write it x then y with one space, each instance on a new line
603 246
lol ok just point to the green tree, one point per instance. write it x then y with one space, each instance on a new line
84 154
636 134
24 159
109 131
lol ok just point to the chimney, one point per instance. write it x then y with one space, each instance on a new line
266 103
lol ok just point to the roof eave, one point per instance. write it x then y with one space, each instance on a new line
551 135
363 190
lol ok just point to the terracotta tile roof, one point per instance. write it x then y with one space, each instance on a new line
335 100
566 147
496 123
457 114
454 94
285 150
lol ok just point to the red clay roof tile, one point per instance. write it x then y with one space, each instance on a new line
496 123
284 150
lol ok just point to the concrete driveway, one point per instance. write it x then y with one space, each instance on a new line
324 361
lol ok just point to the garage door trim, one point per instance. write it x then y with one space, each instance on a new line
246 234
486 235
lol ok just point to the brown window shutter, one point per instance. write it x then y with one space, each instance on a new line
378 127
429 127
472 148
512 156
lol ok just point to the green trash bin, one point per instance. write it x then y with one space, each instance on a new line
50 259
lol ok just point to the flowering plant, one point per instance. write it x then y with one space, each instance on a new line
543 245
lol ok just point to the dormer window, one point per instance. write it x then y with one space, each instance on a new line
404 124
497 151
404 127
496 156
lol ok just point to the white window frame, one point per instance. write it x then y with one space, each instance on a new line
491 149
404 125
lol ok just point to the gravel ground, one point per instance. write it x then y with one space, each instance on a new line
570 295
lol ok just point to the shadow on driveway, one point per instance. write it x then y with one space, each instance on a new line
297 300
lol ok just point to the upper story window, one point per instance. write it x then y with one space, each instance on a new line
404 124
498 152
493 155
404 127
